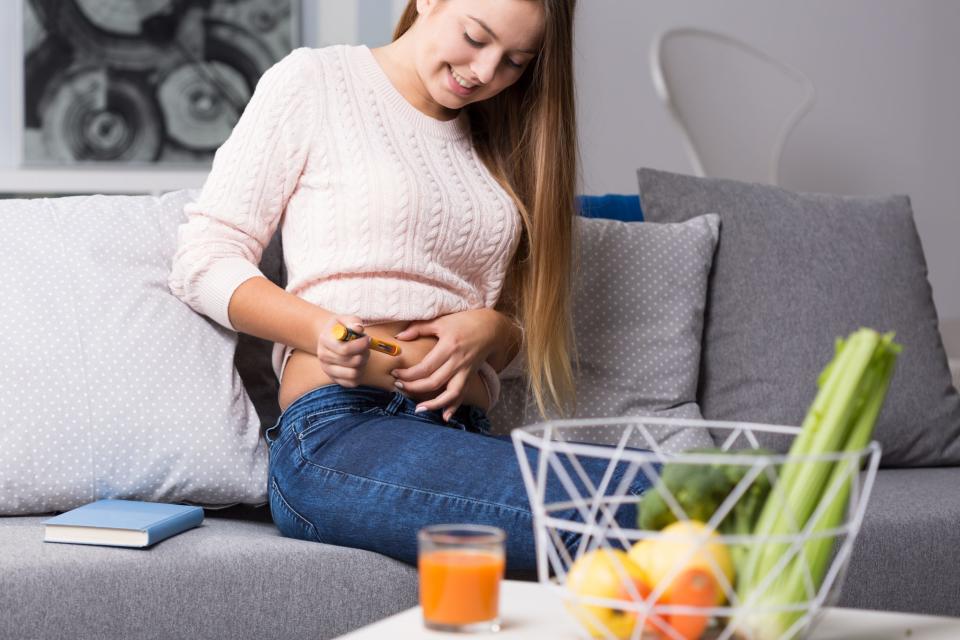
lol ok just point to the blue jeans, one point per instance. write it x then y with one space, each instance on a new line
357 467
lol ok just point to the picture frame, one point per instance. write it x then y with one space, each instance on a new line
110 83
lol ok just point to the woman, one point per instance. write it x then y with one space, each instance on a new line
425 191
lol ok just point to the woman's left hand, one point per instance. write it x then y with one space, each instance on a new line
465 339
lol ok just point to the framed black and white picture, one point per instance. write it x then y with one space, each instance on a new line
144 81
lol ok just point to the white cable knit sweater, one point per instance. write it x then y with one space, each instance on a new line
386 212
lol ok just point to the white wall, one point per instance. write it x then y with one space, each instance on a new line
11 74
886 119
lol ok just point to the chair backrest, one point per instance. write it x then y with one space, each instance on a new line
735 105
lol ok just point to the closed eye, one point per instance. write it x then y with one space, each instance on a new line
478 45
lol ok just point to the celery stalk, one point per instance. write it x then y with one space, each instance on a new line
800 485
817 552
852 390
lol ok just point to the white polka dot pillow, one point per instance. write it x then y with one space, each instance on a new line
111 387
638 308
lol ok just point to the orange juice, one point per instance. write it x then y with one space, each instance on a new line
460 586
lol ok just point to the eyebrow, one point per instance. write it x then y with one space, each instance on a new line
494 36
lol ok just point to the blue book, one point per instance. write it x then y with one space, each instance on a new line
122 523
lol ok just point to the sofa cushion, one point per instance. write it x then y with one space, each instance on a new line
250 582
905 558
793 272
638 298
110 386
230 578
624 207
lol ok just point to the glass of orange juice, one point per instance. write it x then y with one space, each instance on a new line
461 566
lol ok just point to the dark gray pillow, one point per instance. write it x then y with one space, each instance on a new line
253 355
638 301
794 271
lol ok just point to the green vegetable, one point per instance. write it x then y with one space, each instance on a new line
842 417
700 489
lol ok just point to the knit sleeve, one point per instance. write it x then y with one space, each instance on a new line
254 173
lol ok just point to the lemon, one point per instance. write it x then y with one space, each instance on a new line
595 574
642 555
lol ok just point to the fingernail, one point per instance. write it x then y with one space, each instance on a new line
398 384
394 373
419 409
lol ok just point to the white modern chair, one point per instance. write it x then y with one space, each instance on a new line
735 105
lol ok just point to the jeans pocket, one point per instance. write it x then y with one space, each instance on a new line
290 523
322 417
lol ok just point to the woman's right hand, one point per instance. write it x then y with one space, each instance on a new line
344 362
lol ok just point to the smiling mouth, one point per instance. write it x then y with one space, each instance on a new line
460 79
454 82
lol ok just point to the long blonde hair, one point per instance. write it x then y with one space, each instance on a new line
526 136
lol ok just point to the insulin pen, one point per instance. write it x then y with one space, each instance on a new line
344 334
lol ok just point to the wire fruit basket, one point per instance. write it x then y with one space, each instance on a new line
585 479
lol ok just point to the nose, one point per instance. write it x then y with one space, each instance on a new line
484 66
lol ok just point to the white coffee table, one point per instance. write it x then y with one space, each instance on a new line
530 611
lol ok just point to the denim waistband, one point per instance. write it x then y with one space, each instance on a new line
468 417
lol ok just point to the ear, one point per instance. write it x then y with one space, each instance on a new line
424 7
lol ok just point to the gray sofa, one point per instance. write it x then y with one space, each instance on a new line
235 576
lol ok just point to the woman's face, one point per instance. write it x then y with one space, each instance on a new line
484 44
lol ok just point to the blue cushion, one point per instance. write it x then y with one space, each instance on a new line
613 206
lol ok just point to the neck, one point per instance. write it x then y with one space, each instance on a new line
396 59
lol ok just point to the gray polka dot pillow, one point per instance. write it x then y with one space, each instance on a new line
639 297
111 387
